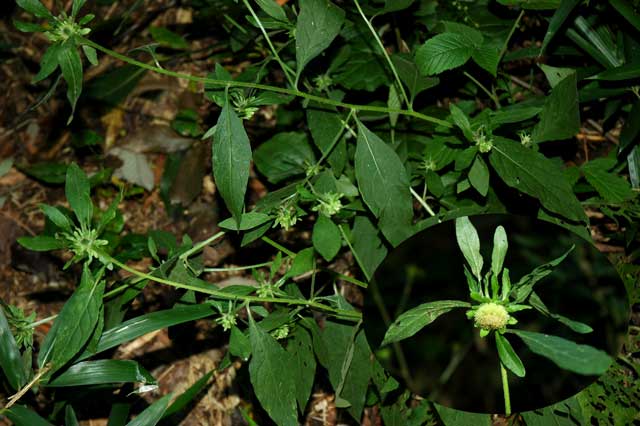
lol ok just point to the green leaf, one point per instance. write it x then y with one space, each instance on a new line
556 74
152 414
568 355
488 56
182 401
56 216
534 174
231 160
349 364
102 371
41 243
325 126
577 326
479 176
508 356
28 27
469 244
415 319
71 66
383 182
532 4
410 75
78 191
74 325
319 22
612 187
247 221
70 418
452 417
48 63
285 155
239 344
35 8
500 246
523 288
557 20
624 72
628 11
10 359
272 378
303 364
443 52
77 5
461 120
143 324
273 9
560 116
326 237
368 248
631 128
168 38
91 54
23 416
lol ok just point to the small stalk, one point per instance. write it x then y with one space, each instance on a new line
505 390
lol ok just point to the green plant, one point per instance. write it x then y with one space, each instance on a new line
366 121
496 300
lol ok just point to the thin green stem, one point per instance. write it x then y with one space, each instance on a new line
275 89
422 202
505 390
238 268
278 246
513 30
386 55
219 294
489 93
201 245
285 68
334 142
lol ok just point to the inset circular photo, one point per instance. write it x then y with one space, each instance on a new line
496 313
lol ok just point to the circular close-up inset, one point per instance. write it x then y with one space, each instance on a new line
496 313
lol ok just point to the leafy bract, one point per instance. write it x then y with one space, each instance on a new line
508 356
500 246
469 243
415 319
231 159
523 288
568 355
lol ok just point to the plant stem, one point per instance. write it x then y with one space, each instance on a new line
279 247
201 245
275 89
492 95
386 55
422 202
238 268
219 294
505 390
285 68
513 30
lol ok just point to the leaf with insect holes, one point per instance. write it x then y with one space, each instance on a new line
415 319
231 158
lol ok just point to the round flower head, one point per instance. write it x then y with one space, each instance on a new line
491 316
